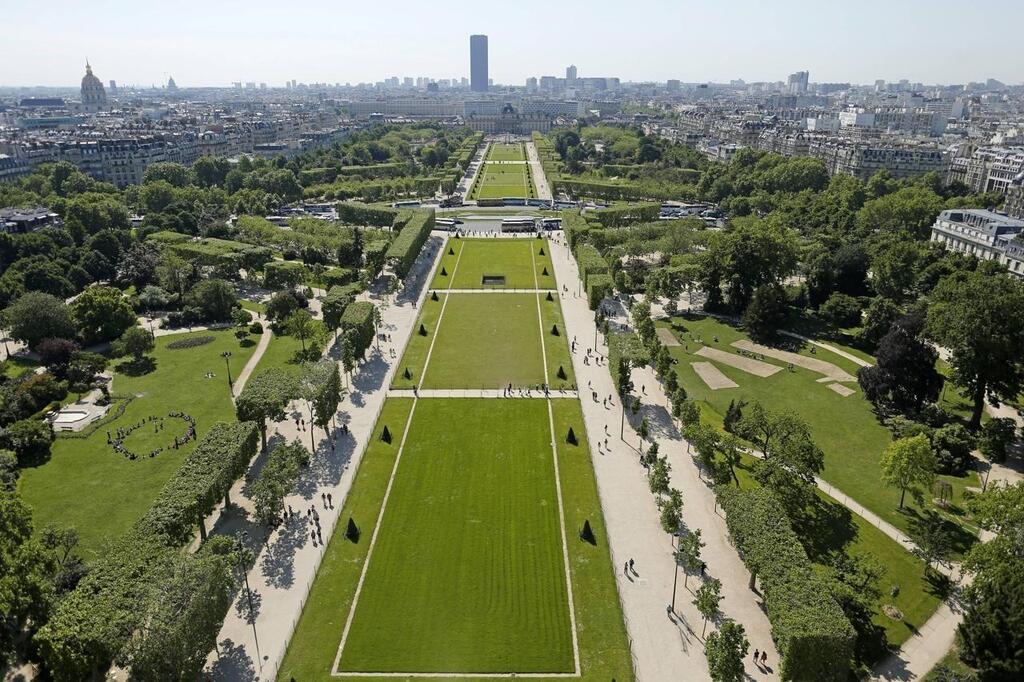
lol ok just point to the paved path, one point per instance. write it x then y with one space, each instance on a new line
540 181
665 647
287 559
254 359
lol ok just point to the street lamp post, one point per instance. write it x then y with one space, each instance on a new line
227 354
248 591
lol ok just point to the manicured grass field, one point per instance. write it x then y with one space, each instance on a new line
468 573
87 485
497 180
603 644
519 261
485 341
845 428
499 151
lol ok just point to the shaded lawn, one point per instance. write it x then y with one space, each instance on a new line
471 548
829 529
17 365
845 428
87 485
518 260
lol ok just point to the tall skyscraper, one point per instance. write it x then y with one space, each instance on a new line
478 63
797 82
570 75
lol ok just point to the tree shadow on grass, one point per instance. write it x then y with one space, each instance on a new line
825 528
960 538
137 368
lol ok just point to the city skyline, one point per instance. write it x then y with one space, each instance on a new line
143 46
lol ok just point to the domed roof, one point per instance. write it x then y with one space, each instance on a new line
89 80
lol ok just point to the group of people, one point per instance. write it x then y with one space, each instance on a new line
116 440
525 392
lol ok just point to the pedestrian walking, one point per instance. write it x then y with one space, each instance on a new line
757 652
323 499
330 501
764 658
631 565
703 568
625 568
290 512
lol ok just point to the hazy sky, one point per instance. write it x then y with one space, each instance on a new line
214 42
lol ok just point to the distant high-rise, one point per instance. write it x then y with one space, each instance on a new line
797 83
570 75
478 63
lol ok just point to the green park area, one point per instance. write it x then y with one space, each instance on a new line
479 263
500 151
486 341
88 485
843 426
479 565
505 173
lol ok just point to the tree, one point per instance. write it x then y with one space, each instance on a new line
184 611
276 479
879 318
953 444
138 266
767 311
282 304
135 341
979 317
909 464
688 553
842 309
300 324
56 354
37 316
102 314
726 649
932 538
321 387
996 436
671 507
992 630
83 368
658 476
30 440
752 253
213 299
265 397
904 375
707 598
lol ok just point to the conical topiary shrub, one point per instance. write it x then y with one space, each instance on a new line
385 435
549 297
554 330
541 250
570 437
561 373
444 273
352 531
423 330
545 273
433 296
451 251
407 374
458 235
587 533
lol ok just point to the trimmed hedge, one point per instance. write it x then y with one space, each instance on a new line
590 262
617 216
814 636
361 214
205 476
190 342
336 277
282 274
358 318
599 287
403 251
574 226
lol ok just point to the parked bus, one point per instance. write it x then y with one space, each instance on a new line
406 204
519 225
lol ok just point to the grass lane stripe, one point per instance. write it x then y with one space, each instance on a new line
440 316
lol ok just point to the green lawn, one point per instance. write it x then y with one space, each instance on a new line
468 572
499 151
443 547
498 180
845 428
519 261
486 341
16 365
87 485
